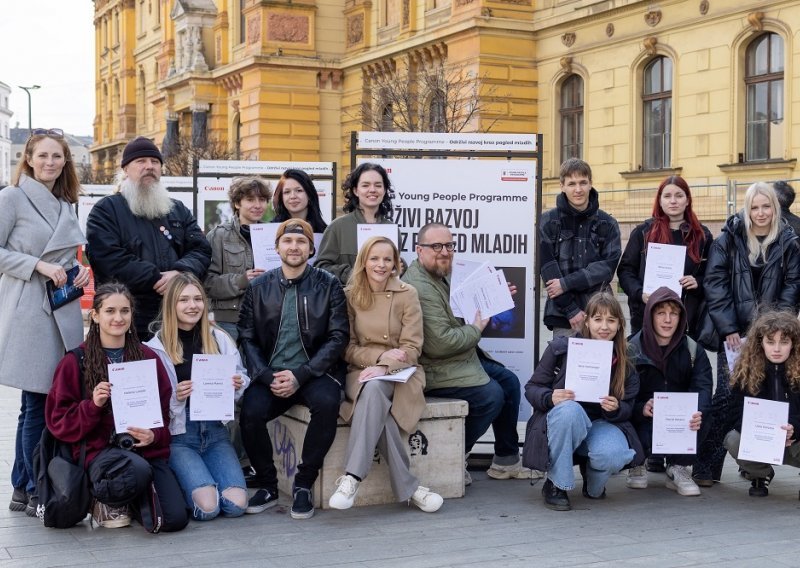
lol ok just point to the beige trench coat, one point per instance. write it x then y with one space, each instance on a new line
393 321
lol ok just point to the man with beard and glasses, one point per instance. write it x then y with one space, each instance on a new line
455 367
141 237
293 331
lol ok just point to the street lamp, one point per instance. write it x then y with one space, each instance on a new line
28 92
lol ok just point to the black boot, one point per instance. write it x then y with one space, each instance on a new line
555 498
582 467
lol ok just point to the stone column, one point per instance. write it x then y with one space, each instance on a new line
172 137
200 124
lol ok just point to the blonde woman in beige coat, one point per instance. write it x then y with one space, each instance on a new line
385 337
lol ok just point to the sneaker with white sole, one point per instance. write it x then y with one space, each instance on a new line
467 476
302 504
345 494
261 500
637 477
679 479
513 471
426 500
110 517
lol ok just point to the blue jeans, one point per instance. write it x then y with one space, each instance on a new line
485 404
506 437
203 457
29 430
569 431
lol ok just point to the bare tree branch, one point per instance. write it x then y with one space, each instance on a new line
181 162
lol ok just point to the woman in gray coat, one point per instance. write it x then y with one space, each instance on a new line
39 239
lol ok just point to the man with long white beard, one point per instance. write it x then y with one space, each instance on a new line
141 237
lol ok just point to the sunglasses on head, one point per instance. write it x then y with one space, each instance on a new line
55 132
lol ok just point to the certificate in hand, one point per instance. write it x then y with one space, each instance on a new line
262 238
489 294
464 271
664 267
588 372
212 387
365 231
731 355
134 395
398 377
672 412
763 440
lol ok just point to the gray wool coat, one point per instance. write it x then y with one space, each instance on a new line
34 226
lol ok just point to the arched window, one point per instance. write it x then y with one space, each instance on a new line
572 118
437 109
387 118
657 114
764 133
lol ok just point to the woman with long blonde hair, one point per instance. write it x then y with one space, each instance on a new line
767 368
599 433
754 264
201 453
385 338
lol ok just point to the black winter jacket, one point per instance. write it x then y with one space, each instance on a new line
550 374
631 273
135 250
321 316
682 375
731 294
581 248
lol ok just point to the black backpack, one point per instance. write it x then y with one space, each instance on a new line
62 484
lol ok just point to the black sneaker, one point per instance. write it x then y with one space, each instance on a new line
655 464
555 498
19 500
759 487
33 503
261 500
303 504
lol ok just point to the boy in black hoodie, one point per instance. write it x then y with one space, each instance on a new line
667 360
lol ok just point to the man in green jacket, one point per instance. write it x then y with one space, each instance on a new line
454 365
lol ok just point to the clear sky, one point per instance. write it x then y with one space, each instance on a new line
49 43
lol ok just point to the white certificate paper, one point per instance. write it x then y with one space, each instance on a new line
489 294
464 271
212 387
368 230
672 412
398 377
262 237
763 440
588 372
664 267
731 355
134 395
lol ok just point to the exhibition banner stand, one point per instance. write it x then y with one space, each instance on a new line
484 188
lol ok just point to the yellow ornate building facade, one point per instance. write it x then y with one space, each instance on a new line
709 89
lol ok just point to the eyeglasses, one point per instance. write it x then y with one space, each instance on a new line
437 247
55 132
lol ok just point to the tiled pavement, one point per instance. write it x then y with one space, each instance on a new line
498 523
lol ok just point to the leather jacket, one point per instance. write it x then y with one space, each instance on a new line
322 319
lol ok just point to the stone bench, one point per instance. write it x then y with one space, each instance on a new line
436 453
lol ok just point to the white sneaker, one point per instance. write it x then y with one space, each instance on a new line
345 494
426 499
679 479
467 476
513 471
637 477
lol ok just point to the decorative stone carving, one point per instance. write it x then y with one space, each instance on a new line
197 60
610 30
568 39
287 28
755 19
253 30
704 7
355 29
652 17
649 44
517 2
460 3
566 64
406 12
218 48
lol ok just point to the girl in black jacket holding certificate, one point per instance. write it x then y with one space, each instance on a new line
768 368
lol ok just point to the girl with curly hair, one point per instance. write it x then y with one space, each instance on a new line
768 368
